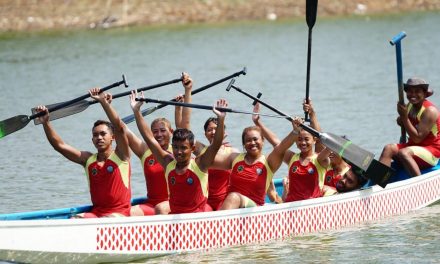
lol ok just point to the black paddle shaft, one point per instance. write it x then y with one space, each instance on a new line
73 101
311 11
130 118
205 107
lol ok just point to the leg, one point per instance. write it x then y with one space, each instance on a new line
162 208
415 158
405 157
232 201
142 209
388 153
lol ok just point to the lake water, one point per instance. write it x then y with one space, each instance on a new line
353 87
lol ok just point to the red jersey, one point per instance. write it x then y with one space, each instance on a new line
188 191
154 173
305 181
331 179
109 184
218 182
251 180
432 141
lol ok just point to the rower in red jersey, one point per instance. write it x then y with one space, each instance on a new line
108 171
187 178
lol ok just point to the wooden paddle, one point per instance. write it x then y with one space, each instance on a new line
396 42
311 11
205 107
130 118
345 148
16 123
84 104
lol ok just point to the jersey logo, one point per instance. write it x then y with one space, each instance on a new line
294 169
240 168
94 171
328 178
172 180
110 169
259 171
189 180
311 171
151 162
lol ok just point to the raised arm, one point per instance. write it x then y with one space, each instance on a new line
178 112
267 133
122 145
205 160
308 108
161 155
276 157
58 144
186 112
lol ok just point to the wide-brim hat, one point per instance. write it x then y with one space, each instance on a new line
418 82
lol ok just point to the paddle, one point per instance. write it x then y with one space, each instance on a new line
16 123
345 148
130 118
205 107
311 11
84 104
396 42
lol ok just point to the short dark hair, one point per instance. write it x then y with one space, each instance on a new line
104 122
182 134
211 120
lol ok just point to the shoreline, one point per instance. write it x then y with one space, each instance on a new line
42 15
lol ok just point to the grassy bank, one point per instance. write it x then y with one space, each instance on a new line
28 15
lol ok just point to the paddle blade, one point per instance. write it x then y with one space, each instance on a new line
63 112
13 124
346 149
379 173
311 11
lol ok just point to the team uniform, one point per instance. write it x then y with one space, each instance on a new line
156 183
218 183
305 181
109 185
331 179
251 181
427 152
188 192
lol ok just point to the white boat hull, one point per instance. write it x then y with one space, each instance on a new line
127 239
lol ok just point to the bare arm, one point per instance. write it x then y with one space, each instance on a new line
205 160
428 119
137 145
178 112
122 145
272 194
276 157
308 108
161 155
186 112
58 144
267 133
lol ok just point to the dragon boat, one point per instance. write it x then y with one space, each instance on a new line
50 237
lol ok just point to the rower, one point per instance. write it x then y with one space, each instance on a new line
187 178
306 168
108 171
154 173
421 120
